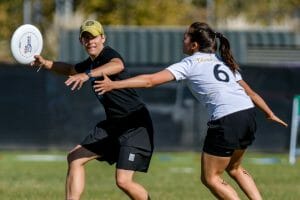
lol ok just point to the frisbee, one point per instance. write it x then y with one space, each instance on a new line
26 42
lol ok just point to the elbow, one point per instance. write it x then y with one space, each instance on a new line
149 84
253 96
121 67
118 66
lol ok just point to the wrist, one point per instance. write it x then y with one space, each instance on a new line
270 115
88 73
47 64
115 85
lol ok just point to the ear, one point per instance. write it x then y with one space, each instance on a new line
195 46
103 38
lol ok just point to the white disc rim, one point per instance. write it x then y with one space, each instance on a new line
26 42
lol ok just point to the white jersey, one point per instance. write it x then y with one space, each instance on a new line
212 83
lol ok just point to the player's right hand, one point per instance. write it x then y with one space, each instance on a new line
39 62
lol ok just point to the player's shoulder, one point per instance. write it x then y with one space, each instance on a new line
109 52
109 49
205 57
83 65
199 59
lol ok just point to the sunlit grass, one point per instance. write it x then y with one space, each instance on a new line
171 176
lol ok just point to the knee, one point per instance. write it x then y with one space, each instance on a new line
73 160
208 181
234 172
122 183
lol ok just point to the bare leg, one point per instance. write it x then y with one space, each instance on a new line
76 177
212 167
242 177
124 180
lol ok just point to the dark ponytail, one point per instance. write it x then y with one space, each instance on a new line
206 38
225 52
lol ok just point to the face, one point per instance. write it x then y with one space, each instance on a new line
188 46
92 44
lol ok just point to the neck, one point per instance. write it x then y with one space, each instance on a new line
93 57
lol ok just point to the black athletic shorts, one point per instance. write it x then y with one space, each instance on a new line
126 141
231 132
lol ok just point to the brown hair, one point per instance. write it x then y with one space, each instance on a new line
206 38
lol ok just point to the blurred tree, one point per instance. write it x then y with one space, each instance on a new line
149 12
146 12
10 16
263 12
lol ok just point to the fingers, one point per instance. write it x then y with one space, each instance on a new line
69 81
98 87
38 62
74 83
283 123
105 77
102 92
278 120
101 87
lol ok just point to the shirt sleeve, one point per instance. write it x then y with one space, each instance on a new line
109 53
180 70
82 66
238 76
105 56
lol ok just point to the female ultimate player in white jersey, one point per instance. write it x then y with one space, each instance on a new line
216 82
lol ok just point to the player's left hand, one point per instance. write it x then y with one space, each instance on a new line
76 81
277 119
103 86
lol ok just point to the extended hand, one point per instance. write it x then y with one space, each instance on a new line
77 80
103 86
276 119
39 62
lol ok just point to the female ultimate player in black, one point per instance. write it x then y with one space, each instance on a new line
126 136
216 82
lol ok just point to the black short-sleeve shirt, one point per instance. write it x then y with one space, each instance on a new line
117 103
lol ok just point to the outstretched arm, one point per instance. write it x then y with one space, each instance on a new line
140 81
261 104
114 66
76 80
58 67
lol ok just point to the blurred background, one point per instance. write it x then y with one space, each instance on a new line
39 112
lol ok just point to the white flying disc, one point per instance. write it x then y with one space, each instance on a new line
26 42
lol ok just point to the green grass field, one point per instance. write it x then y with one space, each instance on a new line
172 176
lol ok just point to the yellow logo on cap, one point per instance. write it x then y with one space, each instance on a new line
93 27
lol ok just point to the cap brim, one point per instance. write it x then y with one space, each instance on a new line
92 31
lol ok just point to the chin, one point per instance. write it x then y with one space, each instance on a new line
92 53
